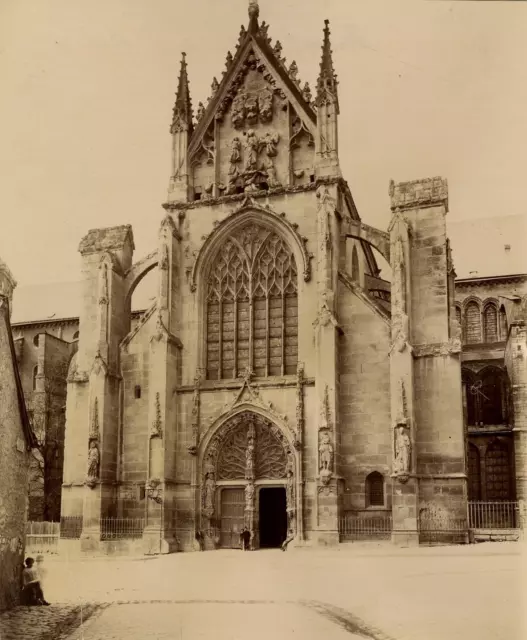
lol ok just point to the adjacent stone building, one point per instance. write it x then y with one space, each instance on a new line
16 440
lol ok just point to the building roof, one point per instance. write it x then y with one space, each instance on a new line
487 247
62 300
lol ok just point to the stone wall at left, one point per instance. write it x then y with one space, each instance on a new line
16 441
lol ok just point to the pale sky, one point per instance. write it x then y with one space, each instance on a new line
426 88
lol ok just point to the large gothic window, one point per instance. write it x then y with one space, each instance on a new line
472 323
252 306
490 323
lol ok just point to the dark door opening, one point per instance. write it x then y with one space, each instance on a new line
273 517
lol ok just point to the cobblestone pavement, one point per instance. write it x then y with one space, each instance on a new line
374 592
44 623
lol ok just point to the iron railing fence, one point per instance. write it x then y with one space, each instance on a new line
359 527
42 537
122 528
494 514
71 527
443 530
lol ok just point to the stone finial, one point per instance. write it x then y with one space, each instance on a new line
228 59
426 192
277 49
214 86
327 80
254 9
306 93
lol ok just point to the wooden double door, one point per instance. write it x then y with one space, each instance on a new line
271 521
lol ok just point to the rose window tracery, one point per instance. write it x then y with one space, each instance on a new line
252 306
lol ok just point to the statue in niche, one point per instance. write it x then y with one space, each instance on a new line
249 496
238 111
208 494
236 151
270 142
270 170
403 450
93 464
251 108
252 145
266 105
325 452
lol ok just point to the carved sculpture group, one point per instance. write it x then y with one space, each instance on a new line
252 172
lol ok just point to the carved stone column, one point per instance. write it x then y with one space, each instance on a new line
429 475
326 335
159 534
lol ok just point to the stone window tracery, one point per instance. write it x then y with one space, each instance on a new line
252 306
503 324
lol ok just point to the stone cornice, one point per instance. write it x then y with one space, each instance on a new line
466 283
234 384
436 349
239 197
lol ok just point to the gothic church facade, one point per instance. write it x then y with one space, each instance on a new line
278 382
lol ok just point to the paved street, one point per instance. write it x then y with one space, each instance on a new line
356 591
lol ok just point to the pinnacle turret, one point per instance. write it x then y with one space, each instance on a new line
183 106
327 80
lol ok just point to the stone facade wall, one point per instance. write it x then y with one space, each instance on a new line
364 399
13 478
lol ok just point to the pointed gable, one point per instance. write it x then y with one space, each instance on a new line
257 130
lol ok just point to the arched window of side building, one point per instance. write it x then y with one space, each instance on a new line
472 323
490 323
375 489
504 329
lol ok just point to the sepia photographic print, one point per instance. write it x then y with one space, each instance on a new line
263 320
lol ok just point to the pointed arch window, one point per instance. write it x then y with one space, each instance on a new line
490 323
35 375
252 306
472 323
458 315
375 489
504 329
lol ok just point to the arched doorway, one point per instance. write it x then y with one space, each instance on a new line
248 481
